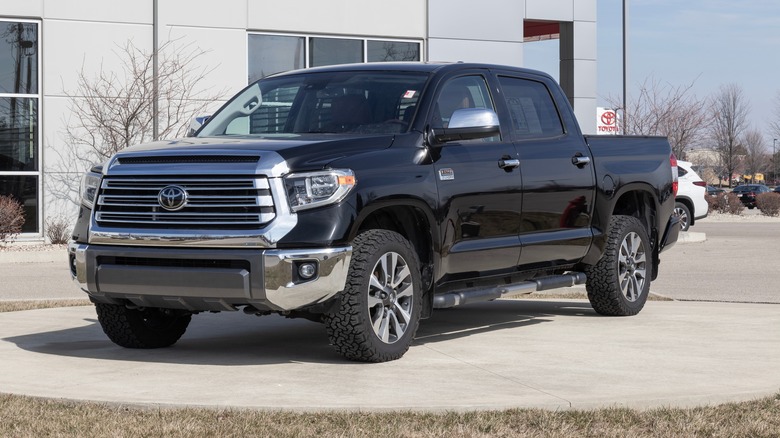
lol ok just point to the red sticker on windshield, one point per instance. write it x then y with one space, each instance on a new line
410 94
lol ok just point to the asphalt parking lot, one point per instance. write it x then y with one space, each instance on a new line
552 353
737 262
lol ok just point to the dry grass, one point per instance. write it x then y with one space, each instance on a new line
30 417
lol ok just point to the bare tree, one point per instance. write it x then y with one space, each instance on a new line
755 152
110 110
729 114
668 110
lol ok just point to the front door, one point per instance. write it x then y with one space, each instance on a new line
480 200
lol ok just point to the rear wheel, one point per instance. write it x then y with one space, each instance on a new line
619 283
378 312
148 327
684 213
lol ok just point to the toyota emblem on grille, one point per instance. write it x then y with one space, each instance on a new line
172 198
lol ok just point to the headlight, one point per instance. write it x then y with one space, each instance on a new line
315 189
89 187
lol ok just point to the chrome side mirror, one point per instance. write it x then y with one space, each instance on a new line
467 124
473 118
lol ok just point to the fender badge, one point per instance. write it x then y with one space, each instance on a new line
446 174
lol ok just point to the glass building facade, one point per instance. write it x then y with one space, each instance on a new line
19 118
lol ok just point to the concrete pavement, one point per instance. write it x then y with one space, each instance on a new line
736 262
36 275
504 354
553 354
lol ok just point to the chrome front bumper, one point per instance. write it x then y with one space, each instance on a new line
201 279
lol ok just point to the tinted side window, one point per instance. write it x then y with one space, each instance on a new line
459 93
531 107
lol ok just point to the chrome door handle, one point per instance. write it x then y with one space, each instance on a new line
579 160
508 164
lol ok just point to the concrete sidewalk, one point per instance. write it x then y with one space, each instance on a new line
553 354
37 274
503 354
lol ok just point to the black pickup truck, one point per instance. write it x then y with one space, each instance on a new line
364 197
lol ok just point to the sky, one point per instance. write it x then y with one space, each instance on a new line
709 43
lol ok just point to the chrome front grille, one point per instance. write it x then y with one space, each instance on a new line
212 202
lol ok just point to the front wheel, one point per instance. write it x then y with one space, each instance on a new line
618 285
378 312
148 327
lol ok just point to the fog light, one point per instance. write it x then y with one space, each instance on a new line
307 270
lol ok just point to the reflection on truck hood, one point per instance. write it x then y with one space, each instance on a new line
307 150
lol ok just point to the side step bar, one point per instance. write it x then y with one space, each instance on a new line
466 296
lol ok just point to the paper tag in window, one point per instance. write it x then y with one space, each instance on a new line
409 94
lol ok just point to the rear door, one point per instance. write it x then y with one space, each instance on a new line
557 176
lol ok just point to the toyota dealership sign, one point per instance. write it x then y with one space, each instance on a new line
607 121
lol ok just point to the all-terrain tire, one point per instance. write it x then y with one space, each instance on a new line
142 328
618 285
378 312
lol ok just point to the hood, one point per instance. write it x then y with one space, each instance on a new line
301 152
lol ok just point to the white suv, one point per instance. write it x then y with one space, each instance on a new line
690 203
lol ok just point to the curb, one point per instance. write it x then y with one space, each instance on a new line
691 237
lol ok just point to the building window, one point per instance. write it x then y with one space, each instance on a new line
330 51
272 53
269 54
20 160
18 134
384 51
18 57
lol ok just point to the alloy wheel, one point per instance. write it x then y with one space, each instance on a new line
632 269
390 297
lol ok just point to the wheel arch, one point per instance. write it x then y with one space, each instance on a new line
412 219
640 201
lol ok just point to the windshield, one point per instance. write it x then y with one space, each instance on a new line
336 102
